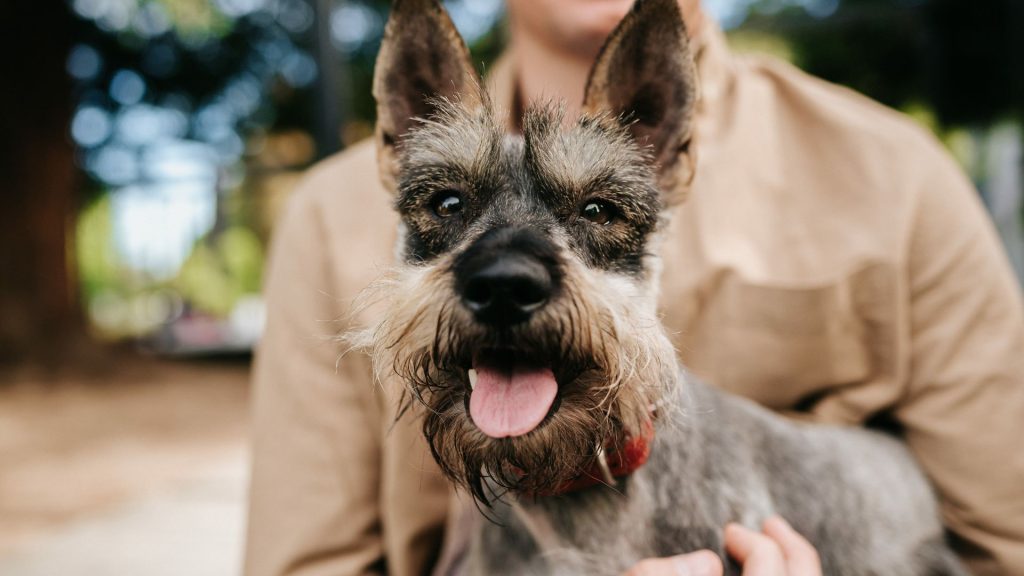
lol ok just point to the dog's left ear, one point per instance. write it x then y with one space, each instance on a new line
645 75
422 61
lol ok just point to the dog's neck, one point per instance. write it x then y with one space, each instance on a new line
620 456
676 424
610 466
617 458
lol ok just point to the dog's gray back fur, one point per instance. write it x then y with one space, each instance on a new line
856 494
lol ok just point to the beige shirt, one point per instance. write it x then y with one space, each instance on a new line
831 259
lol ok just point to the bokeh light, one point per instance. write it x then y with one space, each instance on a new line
178 105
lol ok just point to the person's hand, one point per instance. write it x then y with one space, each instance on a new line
778 551
700 563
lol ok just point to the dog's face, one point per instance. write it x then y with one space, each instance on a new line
523 316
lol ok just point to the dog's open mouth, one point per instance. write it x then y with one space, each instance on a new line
510 396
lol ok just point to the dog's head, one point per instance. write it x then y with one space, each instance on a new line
523 316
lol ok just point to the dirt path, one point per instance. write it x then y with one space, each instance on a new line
82 448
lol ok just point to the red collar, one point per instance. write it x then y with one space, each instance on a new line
631 454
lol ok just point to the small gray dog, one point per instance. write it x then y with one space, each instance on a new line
523 322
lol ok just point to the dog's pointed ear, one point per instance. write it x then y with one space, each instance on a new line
422 61
645 75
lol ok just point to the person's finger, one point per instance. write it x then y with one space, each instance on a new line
801 557
700 563
759 554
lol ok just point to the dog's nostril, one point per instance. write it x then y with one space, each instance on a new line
507 290
528 292
477 293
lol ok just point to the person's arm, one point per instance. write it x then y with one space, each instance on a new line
961 354
313 503
963 411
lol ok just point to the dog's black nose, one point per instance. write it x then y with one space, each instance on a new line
506 291
507 275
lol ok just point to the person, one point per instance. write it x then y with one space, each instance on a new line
778 551
831 261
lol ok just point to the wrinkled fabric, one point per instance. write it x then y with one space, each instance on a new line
830 260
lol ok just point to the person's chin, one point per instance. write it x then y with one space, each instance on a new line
583 42
575 26
597 21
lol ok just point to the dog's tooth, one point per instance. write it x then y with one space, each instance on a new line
472 377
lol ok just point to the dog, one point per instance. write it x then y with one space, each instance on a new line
522 320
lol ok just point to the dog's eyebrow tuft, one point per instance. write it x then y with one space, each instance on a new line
453 133
594 153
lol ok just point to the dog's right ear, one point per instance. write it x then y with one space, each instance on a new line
645 75
422 61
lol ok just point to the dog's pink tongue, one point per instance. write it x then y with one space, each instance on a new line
511 403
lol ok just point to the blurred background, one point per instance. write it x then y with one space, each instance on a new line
146 148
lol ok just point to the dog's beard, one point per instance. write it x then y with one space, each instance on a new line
609 355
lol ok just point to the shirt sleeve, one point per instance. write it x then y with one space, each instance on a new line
313 502
963 413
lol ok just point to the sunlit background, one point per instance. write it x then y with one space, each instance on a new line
148 147
192 120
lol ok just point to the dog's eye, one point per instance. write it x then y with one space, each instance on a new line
598 212
446 203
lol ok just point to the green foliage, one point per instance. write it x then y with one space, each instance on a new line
221 269
195 19
99 269
960 59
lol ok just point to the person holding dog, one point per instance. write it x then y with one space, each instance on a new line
831 260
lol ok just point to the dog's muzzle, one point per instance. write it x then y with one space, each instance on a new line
506 275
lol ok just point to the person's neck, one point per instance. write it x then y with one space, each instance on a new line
546 74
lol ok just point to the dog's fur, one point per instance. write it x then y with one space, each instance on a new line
856 495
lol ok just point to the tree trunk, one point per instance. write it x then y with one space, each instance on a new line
39 312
